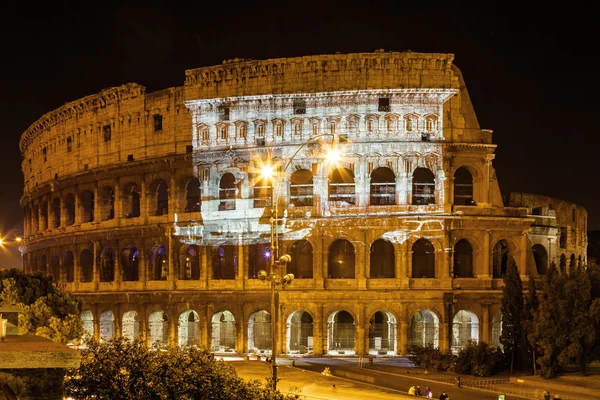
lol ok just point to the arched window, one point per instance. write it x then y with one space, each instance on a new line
108 203
341 185
302 259
192 196
189 262
86 263
259 259
55 212
382 259
54 268
563 264
263 192
87 206
107 325
158 325
463 259
44 221
69 209
130 263
463 187
301 188
131 325
69 266
465 328
383 187
131 200
500 258
572 264
299 333
259 331
227 193
423 259
540 255
189 334
224 262
223 332
158 263
161 192
424 329
423 187
341 259
107 265
340 333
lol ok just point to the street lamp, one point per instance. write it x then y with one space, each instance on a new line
268 171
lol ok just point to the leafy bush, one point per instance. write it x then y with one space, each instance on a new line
120 369
478 359
430 358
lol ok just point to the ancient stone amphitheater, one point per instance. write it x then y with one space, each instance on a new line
150 207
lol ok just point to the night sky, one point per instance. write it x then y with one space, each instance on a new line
530 68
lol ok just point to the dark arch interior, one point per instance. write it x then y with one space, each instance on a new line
383 187
423 259
341 259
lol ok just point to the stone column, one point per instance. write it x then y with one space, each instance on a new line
399 266
523 256
486 256
239 274
118 200
359 335
144 210
95 267
63 210
241 337
171 278
403 338
209 311
173 323
173 195
97 205
484 335
408 257
142 267
117 273
77 207
76 267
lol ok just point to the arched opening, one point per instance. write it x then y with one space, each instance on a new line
572 264
463 187
341 185
227 192
341 260
382 260
70 209
130 263
463 259
44 217
35 219
160 191
259 332
259 258
540 255
302 259
189 262
223 332
107 265
131 325
34 264
423 259
382 333
192 196
299 333
423 187
563 264
189 328
224 262
55 267
158 263
131 200
87 318
500 258
465 328
425 329
158 324
55 212
497 330
87 206
383 187
108 203
86 264
301 188
69 266
107 325
263 192
340 333
579 264
44 264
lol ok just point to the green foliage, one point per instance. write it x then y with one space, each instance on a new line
430 358
120 369
512 316
567 325
46 310
39 383
478 359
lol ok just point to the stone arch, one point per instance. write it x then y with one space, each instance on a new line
158 265
223 332
227 192
425 329
299 333
54 269
44 210
107 265
341 186
87 206
341 260
572 263
423 259
463 187
189 328
160 191
224 261
193 195
382 260
383 187
382 333
189 262
463 259
70 209
131 325
130 263
158 325
87 318
340 333
301 265
501 255
301 188
69 266
259 258
259 332
465 328
423 186
108 203
540 255
107 325
55 212
86 265
131 200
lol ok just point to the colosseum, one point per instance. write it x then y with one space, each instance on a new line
152 208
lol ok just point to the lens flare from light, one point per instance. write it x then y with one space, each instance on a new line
333 156
267 171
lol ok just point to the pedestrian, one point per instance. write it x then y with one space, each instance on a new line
411 390
428 393
546 395
418 391
444 396
458 380
557 396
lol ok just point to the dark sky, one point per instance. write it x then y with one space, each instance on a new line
530 67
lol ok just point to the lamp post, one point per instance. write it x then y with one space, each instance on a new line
269 172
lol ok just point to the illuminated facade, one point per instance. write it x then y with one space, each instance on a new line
150 207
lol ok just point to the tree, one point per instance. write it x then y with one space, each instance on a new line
45 309
121 369
531 307
512 314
